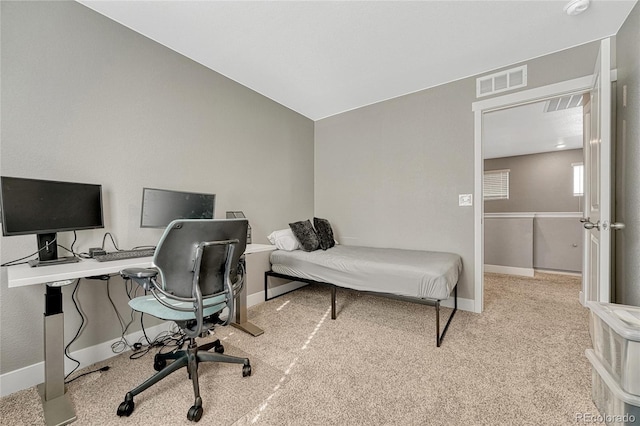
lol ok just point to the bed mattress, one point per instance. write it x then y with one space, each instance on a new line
411 273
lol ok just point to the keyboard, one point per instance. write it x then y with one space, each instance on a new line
124 254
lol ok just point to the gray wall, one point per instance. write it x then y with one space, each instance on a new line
509 242
86 99
389 174
627 205
557 244
537 182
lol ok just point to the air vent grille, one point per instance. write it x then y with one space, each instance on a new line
563 102
501 81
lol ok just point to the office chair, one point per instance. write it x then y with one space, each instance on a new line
198 271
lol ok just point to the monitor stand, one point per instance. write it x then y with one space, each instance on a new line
59 261
48 252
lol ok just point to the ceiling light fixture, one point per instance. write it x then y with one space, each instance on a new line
561 145
576 7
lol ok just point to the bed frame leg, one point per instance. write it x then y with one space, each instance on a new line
439 336
333 302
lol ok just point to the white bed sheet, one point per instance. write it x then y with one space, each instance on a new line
412 273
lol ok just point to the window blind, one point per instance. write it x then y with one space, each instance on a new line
496 185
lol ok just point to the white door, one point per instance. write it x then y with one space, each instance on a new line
596 281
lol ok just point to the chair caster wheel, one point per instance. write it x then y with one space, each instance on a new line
126 408
194 414
246 370
159 363
219 349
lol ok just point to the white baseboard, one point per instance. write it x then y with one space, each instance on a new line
558 272
32 375
463 304
509 270
254 299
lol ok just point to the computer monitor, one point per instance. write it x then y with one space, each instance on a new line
45 207
161 206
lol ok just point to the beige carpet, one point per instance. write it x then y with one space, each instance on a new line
520 362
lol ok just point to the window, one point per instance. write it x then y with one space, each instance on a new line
578 179
496 185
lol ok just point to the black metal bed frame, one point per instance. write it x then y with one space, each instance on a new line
430 302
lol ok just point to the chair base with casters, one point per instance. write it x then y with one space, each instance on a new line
198 272
190 358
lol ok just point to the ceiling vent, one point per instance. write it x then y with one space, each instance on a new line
501 81
563 102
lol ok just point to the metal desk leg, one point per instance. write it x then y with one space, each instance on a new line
241 315
55 403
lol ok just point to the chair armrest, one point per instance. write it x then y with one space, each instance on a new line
142 276
139 273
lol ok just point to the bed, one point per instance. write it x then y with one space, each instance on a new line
412 275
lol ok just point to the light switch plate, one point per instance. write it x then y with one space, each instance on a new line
465 200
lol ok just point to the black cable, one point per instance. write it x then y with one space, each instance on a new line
105 368
143 330
14 262
121 344
75 238
112 241
166 339
66 348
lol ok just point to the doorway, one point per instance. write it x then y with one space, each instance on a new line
533 187
480 108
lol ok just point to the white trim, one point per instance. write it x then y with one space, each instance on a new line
539 93
557 272
514 215
529 215
478 228
582 84
32 375
282 289
509 270
463 304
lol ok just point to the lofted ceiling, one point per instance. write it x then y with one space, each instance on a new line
321 58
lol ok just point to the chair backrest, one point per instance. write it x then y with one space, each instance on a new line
175 254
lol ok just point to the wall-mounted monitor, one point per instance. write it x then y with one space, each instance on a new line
161 206
45 207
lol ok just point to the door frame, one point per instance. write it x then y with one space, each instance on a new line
479 108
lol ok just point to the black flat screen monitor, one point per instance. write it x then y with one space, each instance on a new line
161 206
44 207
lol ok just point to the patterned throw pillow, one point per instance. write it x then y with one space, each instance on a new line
325 233
306 235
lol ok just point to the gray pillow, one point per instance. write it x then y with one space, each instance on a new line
325 233
306 235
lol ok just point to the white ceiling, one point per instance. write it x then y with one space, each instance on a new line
527 129
321 58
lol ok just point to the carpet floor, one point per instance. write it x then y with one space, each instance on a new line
519 362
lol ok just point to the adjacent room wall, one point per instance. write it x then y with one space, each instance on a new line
537 182
85 99
389 174
540 185
627 205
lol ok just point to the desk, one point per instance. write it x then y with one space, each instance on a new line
57 407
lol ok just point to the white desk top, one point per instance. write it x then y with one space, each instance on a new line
23 275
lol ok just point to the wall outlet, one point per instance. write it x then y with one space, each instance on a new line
465 200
